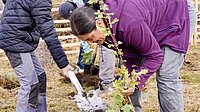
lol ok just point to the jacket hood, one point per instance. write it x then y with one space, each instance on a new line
115 6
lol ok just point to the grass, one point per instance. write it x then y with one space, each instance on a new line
192 77
58 91
59 101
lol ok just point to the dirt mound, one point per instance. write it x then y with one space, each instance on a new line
8 84
86 80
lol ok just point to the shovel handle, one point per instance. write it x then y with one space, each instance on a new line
75 81
94 55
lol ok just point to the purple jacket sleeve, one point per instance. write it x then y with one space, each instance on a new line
139 36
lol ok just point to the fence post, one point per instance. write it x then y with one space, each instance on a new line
194 40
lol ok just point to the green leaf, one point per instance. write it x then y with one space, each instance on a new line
87 58
99 14
92 1
104 7
114 21
144 71
120 52
110 45
118 100
132 83
119 42
126 108
111 110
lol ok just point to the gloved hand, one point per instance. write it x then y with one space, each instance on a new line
66 69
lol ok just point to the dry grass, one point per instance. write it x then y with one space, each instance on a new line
57 90
56 3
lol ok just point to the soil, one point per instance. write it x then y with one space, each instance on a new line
85 79
7 84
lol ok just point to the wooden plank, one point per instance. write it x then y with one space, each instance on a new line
54 9
194 40
72 52
63 29
3 58
198 40
198 26
76 44
191 40
61 21
67 37
2 55
197 33
1 51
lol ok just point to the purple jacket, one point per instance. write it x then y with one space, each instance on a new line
147 25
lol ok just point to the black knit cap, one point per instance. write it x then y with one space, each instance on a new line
66 9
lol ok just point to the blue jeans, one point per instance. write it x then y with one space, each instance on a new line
80 57
85 1
169 83
84 48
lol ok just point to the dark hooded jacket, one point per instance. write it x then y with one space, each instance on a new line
23 22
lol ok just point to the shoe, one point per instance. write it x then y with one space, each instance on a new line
78 70
104 87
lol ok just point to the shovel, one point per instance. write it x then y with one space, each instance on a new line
87 102
92 69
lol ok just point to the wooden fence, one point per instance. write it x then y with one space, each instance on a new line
196 37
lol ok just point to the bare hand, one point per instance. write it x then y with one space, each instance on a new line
129 91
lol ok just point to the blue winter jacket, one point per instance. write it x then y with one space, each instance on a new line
24 22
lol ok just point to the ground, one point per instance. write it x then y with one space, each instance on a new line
60 89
